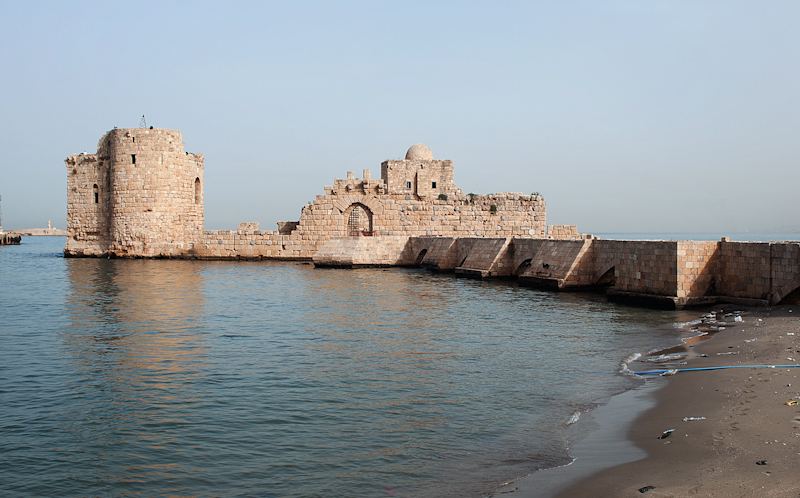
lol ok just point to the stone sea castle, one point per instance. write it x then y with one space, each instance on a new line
141 196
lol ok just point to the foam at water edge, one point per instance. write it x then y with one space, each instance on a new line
690 323
627 361
574 418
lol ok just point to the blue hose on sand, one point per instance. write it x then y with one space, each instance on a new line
659 372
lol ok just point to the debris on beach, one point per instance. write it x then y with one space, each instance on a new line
669 372
790 403
761 462
687 419
646 489
666 434
737 319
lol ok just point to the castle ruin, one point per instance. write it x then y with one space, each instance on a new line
141 195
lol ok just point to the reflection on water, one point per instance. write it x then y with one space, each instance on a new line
191 378
130 332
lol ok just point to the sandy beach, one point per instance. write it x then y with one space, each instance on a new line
726 433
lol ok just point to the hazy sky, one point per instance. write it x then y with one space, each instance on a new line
628 116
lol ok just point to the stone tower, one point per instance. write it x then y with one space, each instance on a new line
140 195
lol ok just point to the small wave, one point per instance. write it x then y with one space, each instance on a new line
690 323
574 418
665 357
627 361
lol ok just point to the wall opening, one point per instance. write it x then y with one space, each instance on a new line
197 190
420 257
133 158
408 185
792 297
359 220
96 193
433 184
523 267
608 278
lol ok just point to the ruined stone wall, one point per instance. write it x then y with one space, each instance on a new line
156 191
563 232
88 203
493 215
424 178
140 195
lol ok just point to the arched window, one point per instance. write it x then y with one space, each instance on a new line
197 190
96 192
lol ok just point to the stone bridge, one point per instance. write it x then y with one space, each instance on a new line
661 273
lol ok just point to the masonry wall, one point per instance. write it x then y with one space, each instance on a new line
140 195
744 269
785 269
641 266
88 203
156 191
697 266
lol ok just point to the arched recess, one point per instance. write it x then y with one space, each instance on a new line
523 267
359 220
420 257
198 190
608 278
788 294
791 298
96 193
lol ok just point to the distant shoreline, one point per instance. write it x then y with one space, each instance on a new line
40 232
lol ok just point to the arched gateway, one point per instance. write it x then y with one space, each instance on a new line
359 220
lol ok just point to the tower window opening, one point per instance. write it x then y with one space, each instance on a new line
408 184
433 184
133 158
96 192
197 190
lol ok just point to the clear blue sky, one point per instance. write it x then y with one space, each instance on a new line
627 116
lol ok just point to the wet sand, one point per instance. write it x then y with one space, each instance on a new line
748 444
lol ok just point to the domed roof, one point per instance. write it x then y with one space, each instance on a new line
419 152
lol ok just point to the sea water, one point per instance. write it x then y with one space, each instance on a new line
274 379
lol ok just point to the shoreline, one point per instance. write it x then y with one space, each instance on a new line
746 422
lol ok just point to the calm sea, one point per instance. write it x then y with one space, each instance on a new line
266 379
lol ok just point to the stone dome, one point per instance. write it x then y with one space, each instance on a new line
419 152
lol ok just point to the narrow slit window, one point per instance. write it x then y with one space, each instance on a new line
133 158
197 190
408 184
96 192
433 184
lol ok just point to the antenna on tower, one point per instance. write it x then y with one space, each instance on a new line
143 123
